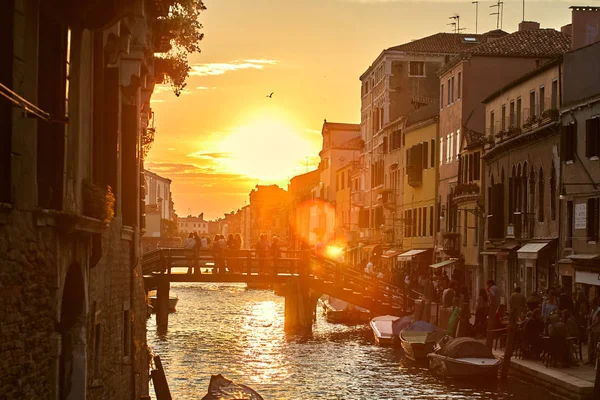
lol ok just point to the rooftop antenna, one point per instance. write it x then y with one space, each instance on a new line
523 10
456 17
498 13
453 26
477 13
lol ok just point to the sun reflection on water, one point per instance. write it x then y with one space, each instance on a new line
262 336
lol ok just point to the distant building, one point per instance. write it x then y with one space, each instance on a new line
300 189
191 224
158 193
269 213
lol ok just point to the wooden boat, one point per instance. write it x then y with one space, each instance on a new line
339 311
172 303
418 340
221 388
386 328
463 358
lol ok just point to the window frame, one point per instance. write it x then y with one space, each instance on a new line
417 62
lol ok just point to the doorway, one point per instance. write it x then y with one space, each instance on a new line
73 331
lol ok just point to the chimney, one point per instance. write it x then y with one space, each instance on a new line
586 26
529 26
567 29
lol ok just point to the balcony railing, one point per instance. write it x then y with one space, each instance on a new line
515 125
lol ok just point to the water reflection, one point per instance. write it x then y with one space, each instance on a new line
224 328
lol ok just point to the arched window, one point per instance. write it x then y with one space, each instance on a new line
553 194
524 191
531 190
541 196
512 195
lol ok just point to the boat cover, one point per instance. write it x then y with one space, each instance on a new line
421 326
400 324
465 347
221 388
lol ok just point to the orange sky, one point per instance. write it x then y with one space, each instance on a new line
222 135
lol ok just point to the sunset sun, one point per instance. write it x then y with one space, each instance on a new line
267 148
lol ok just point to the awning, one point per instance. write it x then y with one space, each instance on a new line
410 254
589 278
444 263
489 252
584 257
391 253
530 251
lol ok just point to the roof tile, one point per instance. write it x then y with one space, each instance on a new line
447 43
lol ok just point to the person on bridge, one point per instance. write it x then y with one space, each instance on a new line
262 248
275 253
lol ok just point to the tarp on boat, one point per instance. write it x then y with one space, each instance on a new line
421 326
400 324
221 388
465 347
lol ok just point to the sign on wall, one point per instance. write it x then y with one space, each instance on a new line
580 215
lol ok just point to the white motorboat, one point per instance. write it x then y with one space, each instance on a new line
386 328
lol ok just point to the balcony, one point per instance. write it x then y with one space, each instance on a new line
466 191
358 198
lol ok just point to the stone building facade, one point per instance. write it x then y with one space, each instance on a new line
76 85
522 166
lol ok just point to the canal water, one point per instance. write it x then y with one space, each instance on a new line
227 329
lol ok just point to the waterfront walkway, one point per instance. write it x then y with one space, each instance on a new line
575 382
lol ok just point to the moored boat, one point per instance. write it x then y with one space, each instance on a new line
387 327
339 311
221 388
172 303
463 357
418 340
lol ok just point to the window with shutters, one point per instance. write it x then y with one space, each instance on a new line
593 214
532 103
425 154
52 78
519 113
432 153
592 138
424 224
416 68
477 165
569 223
542 99
449 92
452 90
459 86
512 115
554 95
430 220
465 227
541 196
553 194
569 142
503 118
418 218
441 150
442 96
492 122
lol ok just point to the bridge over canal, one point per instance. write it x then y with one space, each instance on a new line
303 276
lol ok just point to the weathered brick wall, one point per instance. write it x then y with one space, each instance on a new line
26 314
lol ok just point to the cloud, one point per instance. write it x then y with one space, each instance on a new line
214 69
201 88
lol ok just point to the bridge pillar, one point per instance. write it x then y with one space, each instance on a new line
299 306
162 304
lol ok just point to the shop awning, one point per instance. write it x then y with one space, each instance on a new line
584 257
410 254
587 277
391 253
530 251
444 263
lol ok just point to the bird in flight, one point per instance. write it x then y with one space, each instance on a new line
270 95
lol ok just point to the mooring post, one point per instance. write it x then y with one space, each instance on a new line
162 303
510 342
298 311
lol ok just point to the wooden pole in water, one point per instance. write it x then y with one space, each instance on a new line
162 303
159 379
512 332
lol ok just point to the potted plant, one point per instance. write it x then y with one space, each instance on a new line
98 201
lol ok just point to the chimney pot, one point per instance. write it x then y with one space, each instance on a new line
529 26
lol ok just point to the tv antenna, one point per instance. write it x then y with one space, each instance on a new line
499 13
456 17
453 26
477 13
